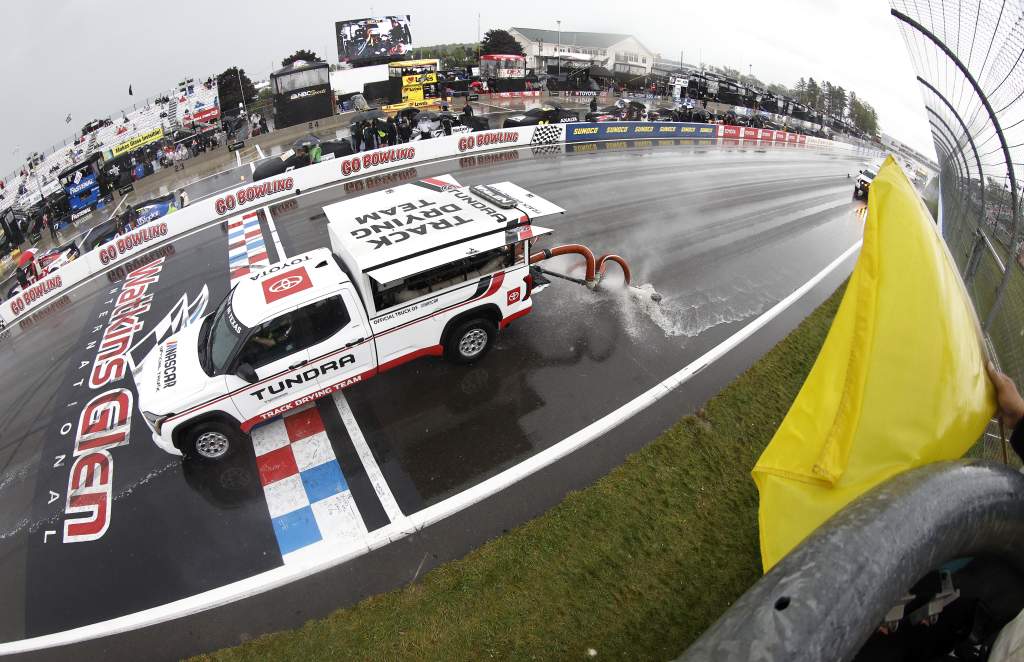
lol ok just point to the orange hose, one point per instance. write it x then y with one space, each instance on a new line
571 249
603 261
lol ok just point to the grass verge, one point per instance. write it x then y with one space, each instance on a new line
634 567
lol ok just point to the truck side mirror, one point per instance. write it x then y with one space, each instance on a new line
247 373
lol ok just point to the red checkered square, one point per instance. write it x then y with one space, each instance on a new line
303 424
276 464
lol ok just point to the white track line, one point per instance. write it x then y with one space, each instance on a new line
260 152
283 575
238 158
373 472
281 255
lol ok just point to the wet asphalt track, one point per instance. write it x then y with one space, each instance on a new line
722 233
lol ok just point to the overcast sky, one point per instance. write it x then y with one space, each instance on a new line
80 56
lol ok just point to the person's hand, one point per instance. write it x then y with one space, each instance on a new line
1011 405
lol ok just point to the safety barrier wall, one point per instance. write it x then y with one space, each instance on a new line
251 196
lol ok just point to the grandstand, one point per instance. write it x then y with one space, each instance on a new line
187 101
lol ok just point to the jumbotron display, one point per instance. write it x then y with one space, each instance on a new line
362 40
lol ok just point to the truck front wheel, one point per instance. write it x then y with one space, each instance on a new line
211 441
470 340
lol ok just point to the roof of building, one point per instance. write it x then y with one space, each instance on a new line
582 39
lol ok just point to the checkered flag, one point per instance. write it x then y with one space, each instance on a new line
547 134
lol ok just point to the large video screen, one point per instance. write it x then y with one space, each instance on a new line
363 39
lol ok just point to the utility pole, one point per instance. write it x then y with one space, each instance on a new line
559 48
478 38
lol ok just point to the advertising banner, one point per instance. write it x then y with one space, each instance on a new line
586 131
419 79
728 131
363 39
206 114
138 141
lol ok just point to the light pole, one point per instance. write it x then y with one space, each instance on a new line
241 91
559 51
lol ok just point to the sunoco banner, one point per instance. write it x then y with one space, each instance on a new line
636 130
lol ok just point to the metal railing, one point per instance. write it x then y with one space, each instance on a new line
969 59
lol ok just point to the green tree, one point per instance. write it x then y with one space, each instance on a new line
800 90
301 54
812 94
227 88
500 42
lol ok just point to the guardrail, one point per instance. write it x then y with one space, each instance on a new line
219 208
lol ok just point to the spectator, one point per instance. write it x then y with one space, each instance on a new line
263 124
467 110
357 135
380 133
391 131
593 104
182 198
369 137
19 273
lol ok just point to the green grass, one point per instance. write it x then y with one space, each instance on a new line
635 566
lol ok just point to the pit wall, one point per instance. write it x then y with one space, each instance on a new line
221 207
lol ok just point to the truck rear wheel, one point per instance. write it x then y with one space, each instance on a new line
470 340
211 441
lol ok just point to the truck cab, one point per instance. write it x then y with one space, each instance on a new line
862 184
412 272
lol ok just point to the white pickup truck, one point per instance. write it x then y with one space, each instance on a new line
417 270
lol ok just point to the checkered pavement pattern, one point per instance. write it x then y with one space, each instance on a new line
246 249
310 504
547 134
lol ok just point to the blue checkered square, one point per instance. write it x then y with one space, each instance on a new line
296 529
323 480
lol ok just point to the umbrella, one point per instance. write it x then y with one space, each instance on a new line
307 140
26 257
369 116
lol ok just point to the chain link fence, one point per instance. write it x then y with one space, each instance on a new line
969 60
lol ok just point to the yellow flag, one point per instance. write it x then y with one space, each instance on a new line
900 381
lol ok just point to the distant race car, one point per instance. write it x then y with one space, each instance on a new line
429 124
298 158
606 114
37 264
550 113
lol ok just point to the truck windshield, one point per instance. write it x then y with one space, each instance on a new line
224 335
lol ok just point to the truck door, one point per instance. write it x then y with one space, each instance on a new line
340 346
277 352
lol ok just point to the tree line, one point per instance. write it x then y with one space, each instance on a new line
838 102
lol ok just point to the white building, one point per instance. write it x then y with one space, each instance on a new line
618 53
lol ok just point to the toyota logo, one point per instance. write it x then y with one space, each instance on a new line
285 284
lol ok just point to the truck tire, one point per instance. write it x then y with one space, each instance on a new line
210 441
470 340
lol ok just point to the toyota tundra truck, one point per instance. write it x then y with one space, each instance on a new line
411 272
